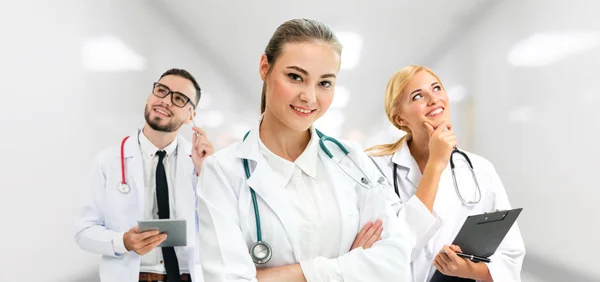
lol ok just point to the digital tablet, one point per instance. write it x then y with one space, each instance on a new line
174 228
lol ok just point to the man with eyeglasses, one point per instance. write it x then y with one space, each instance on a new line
151 175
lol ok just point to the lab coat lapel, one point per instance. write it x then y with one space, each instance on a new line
446 201
345 194
407 166
268 191
134 170
185 196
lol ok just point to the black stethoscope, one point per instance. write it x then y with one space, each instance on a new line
452 167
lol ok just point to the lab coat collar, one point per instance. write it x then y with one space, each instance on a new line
133 145
250 148
408 167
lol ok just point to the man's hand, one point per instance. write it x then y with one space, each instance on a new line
201 148
142 243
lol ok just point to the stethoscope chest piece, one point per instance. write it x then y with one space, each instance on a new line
260 252
123 188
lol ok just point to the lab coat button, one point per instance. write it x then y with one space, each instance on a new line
428 254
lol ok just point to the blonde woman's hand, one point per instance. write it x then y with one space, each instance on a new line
441 143
449 263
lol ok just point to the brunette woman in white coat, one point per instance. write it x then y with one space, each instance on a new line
310 211
423 188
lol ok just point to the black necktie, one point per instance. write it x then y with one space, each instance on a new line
162 198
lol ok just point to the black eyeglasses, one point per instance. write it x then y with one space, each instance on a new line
177 98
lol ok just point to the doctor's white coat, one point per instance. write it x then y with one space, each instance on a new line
430 232
105 213
228 224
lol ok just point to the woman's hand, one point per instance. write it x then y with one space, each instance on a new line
441 143
449 263
368 235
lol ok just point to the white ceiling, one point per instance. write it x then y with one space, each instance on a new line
233 35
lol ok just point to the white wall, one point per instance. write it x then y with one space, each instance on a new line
56 116
539 126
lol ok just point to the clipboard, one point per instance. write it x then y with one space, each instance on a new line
481 235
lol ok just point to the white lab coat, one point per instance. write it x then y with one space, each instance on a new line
228 224
430 232
105 212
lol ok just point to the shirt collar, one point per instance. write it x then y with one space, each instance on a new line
283 168
307 161
149 149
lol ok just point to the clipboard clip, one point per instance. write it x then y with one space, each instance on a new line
497 215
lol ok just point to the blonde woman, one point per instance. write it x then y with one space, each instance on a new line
418 166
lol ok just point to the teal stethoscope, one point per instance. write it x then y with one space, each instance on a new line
260 251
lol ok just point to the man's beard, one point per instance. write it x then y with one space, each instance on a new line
171 126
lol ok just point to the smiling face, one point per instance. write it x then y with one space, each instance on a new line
160 113
423 100
300 84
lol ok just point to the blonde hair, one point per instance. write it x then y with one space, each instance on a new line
296 31
393 92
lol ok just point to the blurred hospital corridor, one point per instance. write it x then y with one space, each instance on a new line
521 77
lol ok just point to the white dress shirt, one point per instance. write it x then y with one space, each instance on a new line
314 206
153 260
